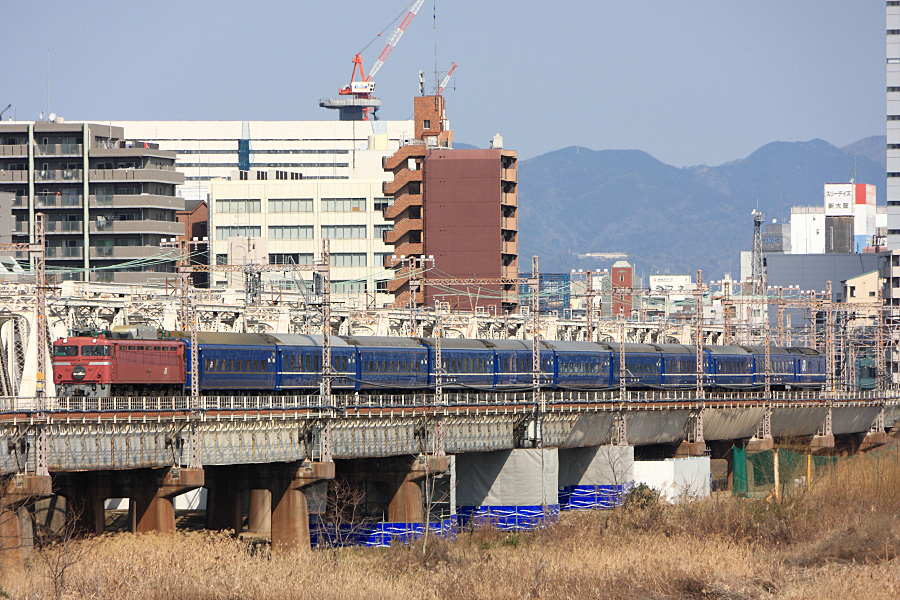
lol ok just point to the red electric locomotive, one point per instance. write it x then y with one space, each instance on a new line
101 367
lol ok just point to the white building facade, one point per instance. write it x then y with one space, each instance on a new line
271 216
320 150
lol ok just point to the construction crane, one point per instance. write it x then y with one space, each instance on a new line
446 79
3 112
357 101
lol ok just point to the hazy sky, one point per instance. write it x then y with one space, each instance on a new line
689 81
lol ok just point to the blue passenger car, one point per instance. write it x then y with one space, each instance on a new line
643 365
390 363
513 364
467 363
729 366
582 365
679 366
234 361
809 366
299 363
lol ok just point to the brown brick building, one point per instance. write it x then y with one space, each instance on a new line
458 207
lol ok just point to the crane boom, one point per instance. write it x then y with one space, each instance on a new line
395 37
446 79
2 112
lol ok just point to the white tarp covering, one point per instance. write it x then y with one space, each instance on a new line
675 478
521 477
598 465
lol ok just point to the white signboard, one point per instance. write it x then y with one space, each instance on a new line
839 199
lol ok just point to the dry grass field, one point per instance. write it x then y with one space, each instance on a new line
840 539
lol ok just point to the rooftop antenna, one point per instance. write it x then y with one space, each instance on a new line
48 80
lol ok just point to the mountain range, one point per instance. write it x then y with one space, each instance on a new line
669 219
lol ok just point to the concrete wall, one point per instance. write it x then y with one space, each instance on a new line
675 478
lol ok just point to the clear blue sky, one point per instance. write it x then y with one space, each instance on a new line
689 81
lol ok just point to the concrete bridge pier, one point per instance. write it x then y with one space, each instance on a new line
406 502
260 517
15 492
224 509
278 501
152 493
290 510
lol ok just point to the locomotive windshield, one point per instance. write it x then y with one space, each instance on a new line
65 351
95 350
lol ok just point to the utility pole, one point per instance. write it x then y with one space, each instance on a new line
698 295
536 351
589 312
829 339
438 378
324 271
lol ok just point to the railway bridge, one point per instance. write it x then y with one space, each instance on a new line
280 448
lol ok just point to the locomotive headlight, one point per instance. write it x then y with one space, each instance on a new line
79 372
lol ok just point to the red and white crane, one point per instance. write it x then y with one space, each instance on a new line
361 86
446 79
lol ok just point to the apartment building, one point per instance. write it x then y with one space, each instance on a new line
109 201
458 208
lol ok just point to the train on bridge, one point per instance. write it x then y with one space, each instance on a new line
119 364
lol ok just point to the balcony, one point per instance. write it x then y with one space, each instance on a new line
14 150
136 201
63 227
57 175
510 174
509 199
158 175
511 223
124 252
167 228
511 247
59 252
20 202
14 176
21 227
401 179
409 249
57 149
509 272
57 200
400 229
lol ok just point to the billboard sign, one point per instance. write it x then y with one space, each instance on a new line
839 199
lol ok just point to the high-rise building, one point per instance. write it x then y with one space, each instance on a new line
893 124
457 207
108 201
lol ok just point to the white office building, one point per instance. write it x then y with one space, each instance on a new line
271 216
319 150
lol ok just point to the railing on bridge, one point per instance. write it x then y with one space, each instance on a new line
347 404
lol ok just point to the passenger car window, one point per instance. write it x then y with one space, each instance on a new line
96 350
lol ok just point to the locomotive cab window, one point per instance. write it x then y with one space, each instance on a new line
95 350
65 351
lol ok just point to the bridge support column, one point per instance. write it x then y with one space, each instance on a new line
15 492
824 438
290 511
152 493
763 440
406 505
260 520
224 509
877 435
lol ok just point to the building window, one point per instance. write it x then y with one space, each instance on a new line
893 89
426 124
282 205
893 174
893 61
290 259
380 257
221 259
381 286
344 232
383 203
356 259
262 175
893 31
381 229
343 204
348 287
225 232
238 206
852 291
290 232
